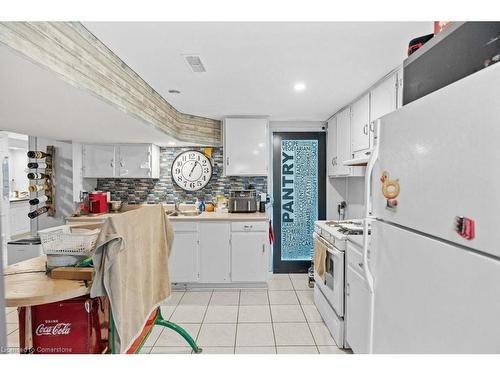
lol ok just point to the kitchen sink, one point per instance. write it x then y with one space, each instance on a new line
183 213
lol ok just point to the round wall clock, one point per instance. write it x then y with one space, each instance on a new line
191 170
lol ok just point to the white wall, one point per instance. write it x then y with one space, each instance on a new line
17 169
79 183
348 189
63 181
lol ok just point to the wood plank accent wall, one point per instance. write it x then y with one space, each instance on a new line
82 60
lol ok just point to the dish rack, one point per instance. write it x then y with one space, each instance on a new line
66 245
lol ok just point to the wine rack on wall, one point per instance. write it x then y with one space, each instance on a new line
42 188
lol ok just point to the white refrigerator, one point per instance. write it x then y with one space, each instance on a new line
436 289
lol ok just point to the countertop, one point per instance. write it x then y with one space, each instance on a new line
19 199
204 216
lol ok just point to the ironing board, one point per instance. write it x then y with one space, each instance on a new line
154 319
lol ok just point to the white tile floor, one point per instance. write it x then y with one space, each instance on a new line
281 319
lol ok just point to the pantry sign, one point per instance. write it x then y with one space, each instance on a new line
299 198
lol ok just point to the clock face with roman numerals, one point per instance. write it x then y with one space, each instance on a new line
191 170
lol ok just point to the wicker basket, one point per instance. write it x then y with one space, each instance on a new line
66 245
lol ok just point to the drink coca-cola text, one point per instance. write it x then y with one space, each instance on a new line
53 330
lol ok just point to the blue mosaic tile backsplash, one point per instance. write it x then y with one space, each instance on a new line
146 190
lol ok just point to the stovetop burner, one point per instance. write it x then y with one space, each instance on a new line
348 227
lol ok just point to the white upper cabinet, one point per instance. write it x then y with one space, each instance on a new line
246 147
360 125
384 97
99 160
121 161
400 88
136 160
343 143
339 146
331 146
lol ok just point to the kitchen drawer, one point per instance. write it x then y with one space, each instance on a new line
184 226
249 226
355 257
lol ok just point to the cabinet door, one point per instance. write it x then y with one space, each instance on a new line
134 161
214 252
400 81
246 147
357 312
98 160
343 143
249 256
331 146
183 261
383 98
360 124
24 220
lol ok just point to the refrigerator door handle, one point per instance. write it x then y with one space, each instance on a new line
369 218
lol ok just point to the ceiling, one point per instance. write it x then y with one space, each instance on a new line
251 68
35 101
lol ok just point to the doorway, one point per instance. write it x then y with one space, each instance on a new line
299 185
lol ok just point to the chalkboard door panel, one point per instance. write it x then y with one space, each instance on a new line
299 197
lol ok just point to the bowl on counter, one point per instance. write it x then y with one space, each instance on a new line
115 206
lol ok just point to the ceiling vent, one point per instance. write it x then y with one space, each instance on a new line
194 61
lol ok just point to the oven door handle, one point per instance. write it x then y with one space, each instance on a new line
329 247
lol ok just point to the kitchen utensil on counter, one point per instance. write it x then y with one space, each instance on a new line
201 207
98 202
84 203
115 206
262 203
243 201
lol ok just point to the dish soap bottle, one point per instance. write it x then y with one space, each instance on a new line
201 207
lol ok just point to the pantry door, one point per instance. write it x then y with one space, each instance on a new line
299 169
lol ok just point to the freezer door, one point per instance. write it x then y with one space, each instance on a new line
432 297
441 152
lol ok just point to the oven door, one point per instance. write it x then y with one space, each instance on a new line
332 283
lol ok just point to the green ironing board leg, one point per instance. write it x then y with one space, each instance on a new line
181 331
158 321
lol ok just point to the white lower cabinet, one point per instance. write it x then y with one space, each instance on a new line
357 310
218 252
214 252
183 263
249 256
19 221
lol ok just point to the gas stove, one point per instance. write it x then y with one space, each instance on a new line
337 231
348 227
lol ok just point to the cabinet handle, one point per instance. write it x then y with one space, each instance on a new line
263 248
372 126
227 160
360 265
347 289
112 164
121 163
248 227
365 129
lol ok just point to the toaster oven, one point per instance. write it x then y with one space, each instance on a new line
242 201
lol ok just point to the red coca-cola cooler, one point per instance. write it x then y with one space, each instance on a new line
75 326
